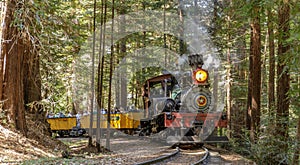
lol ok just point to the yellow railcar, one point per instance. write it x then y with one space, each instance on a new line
85 121
127 122
62 125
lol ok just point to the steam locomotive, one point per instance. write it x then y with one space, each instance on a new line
181 108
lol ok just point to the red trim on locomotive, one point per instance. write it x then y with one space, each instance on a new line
187 119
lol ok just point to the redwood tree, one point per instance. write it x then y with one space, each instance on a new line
283 82
271 91
255 69
14 49
20 81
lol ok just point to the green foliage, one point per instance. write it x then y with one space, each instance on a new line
60 30
3 115
266 150
293 60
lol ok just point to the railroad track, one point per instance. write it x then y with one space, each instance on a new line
180 157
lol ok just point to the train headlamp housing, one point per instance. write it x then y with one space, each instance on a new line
200 76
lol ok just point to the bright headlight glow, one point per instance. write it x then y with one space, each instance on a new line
200 75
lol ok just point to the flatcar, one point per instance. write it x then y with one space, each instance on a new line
181 109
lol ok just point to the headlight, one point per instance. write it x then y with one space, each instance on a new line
200 76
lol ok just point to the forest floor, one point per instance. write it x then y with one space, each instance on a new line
17 149
14 147
40 148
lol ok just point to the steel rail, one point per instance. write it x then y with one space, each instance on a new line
203 158
159 159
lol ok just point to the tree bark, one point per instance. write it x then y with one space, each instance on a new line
13 52
256 72
110 78
100 73
92 87
271 92
2 31
228 91
182 49
32 81
228 73
123 76
283 82
250 80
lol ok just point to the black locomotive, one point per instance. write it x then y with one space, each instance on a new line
180 108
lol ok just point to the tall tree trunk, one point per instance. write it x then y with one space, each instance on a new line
165 36
256 71
271 92
181 31
100 74
283 82
250 81
228 72
12 70
117 79
32 82
92 87
110 77
228 92
123 77
2 31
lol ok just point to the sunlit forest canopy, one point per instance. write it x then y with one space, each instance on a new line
73 56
